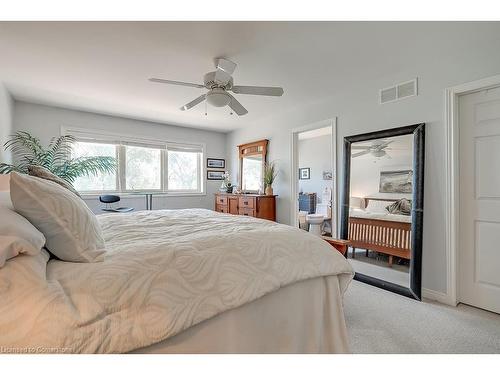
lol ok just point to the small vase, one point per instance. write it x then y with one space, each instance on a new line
269 190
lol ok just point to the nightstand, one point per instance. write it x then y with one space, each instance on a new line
340 245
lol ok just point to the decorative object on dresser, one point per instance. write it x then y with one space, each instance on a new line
226 186
216 163
304 173
255 205
252 157
270 174
215 175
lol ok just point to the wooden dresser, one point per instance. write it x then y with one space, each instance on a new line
261 206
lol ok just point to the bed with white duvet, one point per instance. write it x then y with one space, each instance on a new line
181 281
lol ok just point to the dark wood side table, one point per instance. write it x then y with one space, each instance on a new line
340 245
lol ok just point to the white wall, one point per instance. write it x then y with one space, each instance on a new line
365 174
315 153
6 104
439 60
45 122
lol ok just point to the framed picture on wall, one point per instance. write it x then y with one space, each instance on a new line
327 175
216 163
215 175
396 182
304 173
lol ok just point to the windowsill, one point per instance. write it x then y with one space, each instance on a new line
142 195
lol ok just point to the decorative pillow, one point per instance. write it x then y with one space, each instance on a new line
71 229
5 200
401 207
41 172
17 236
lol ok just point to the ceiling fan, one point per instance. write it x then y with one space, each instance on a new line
378 149
218 84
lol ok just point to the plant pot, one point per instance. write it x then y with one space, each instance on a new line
269 190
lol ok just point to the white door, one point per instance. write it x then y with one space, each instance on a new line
479 256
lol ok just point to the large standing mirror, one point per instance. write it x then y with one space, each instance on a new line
382 207
252 160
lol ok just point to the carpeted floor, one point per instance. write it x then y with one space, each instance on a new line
382 322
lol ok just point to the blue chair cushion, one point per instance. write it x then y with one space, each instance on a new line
109 198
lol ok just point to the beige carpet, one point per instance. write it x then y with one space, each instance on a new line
384 322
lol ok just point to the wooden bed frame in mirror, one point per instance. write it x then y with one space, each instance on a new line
347 226
392 238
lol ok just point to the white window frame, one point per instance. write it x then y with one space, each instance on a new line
122 140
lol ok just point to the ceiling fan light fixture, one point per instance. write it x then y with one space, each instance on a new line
378 153
218 97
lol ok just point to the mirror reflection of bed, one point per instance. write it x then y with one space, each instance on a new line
380 208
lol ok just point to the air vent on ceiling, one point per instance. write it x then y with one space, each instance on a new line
399 91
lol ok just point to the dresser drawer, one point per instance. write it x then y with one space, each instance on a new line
247 211
247 202
220 208
220 200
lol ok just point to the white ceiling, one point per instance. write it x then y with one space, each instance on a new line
104 67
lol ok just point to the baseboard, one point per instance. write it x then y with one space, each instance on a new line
437 296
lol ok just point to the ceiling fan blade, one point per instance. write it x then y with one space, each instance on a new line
258 90
383 145
225 68
236 106
191 104
361 153
360 147
179 83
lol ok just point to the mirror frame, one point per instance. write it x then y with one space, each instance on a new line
417 214
249 149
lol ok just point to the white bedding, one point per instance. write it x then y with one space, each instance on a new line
365 214
163 272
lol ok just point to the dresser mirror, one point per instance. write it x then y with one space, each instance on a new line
382 207
252 158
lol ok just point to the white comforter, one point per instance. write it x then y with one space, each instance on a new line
163 272
365 214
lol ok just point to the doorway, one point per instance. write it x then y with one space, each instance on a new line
314 200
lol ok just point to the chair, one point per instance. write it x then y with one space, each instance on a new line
108 200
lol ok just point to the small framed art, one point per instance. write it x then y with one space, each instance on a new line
304 173
215 175
216 163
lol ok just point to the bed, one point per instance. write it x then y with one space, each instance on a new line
181 281
375 229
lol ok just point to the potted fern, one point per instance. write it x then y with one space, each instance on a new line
28 151
270 174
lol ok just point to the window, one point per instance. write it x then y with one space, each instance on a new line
101 182
141 166
184 164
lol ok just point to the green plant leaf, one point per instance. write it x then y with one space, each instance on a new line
28 150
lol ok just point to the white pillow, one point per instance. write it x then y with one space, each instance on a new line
17 236
5 200
71 229
378 206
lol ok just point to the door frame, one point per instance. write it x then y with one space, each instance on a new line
294 171
452 165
